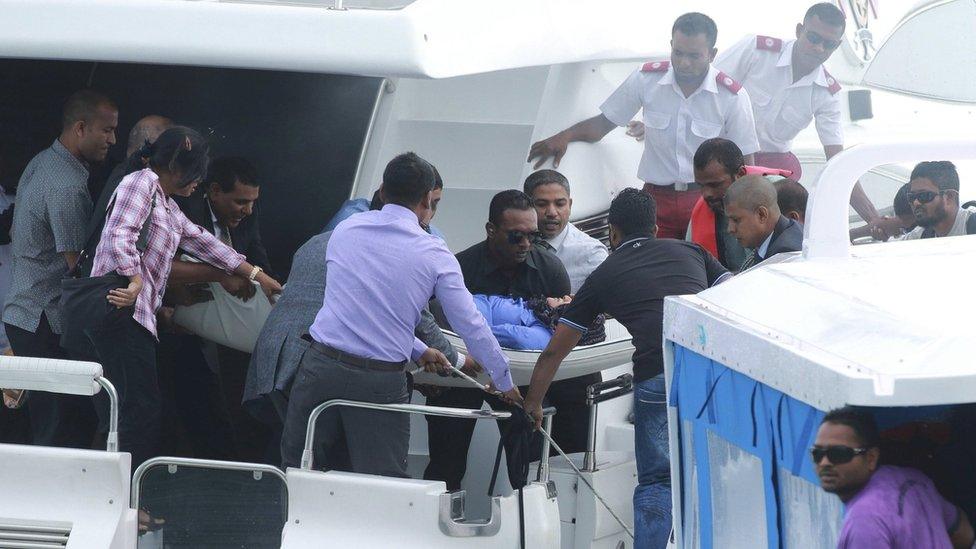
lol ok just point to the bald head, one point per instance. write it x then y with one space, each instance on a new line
751 192
146 129
752 210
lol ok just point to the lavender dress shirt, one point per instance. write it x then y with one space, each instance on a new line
382 268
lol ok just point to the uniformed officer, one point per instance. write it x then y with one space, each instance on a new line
789 87
685 102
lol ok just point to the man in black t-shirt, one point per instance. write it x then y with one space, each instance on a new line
631 286
507 263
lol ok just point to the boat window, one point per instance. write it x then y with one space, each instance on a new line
209 506
691 532
303 132
811 517
738 507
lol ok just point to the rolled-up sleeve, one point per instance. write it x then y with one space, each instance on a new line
202 244
458 306
133 202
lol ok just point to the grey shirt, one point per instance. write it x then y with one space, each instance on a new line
53 208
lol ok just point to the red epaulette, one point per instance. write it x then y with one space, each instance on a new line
768 43
833 86
728 82
656 66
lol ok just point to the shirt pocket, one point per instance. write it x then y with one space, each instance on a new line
790 122
656 121
705 130
759 97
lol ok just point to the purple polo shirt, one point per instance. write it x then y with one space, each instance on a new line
898 508
382 268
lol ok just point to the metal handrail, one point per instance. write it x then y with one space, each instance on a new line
198 463
112 440
404 408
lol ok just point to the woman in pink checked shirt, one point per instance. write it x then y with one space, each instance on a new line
126 348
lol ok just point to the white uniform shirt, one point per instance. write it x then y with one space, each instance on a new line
676 125
781 107
579 252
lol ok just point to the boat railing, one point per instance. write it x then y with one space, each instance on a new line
61 376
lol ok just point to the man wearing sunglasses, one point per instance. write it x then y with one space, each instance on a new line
933 196
884 506
789 87
509 262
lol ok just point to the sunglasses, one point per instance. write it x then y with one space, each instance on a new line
922 196
838 455
816 39
514 237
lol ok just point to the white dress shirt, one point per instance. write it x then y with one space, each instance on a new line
676 125
579 252
782 108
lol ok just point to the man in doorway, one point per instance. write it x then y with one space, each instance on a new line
685 101
50 218
933 195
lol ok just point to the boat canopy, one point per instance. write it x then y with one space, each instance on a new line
421 38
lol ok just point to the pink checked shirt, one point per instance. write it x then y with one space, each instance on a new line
168 229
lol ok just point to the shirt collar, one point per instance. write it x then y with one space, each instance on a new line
764 247
399 211
817 76
557 241
710 84
62 151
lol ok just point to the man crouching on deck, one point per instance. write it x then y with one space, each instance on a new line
631 285
382 268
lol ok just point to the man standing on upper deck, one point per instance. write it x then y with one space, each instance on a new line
685 102
789 87
53 207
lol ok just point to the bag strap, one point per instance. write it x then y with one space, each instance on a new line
91 243
971 223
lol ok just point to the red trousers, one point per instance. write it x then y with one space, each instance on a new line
673 209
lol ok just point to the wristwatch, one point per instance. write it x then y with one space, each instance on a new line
254 273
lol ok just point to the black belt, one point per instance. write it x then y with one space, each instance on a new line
692 186
354 360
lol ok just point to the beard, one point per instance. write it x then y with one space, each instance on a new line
929 221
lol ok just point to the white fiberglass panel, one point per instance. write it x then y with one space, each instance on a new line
738 498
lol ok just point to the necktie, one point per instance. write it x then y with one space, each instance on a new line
225 236
750 261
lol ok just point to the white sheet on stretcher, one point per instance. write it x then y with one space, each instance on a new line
227 320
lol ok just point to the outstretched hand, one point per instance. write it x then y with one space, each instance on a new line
553 147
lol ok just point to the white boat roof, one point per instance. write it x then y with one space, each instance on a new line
419 38
889 326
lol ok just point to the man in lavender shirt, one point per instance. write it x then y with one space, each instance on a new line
382 268
884 506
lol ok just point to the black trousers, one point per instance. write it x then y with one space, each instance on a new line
448 439
127 353
195 417
360 440
66 421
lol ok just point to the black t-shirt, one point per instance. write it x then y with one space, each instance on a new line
541 275
631 285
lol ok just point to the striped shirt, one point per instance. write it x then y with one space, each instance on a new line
168 229
53 207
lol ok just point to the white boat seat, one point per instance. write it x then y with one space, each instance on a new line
83 493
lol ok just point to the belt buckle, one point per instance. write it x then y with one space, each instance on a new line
681 186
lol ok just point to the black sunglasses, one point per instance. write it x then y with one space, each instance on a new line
514 237
815 39
922 196
838 455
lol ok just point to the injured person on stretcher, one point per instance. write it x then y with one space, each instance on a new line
528 324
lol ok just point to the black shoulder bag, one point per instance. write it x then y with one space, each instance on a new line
84 306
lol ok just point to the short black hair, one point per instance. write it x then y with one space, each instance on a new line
724 151
438 182
226 171
407 179
512 199
791 196
828 13
544 177
900 205
694 23
82 105
179 150
862 422
941 172
633 212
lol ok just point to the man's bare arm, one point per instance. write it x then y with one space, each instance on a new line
186 272
563 341
590 130
962 537
71 258
859 199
